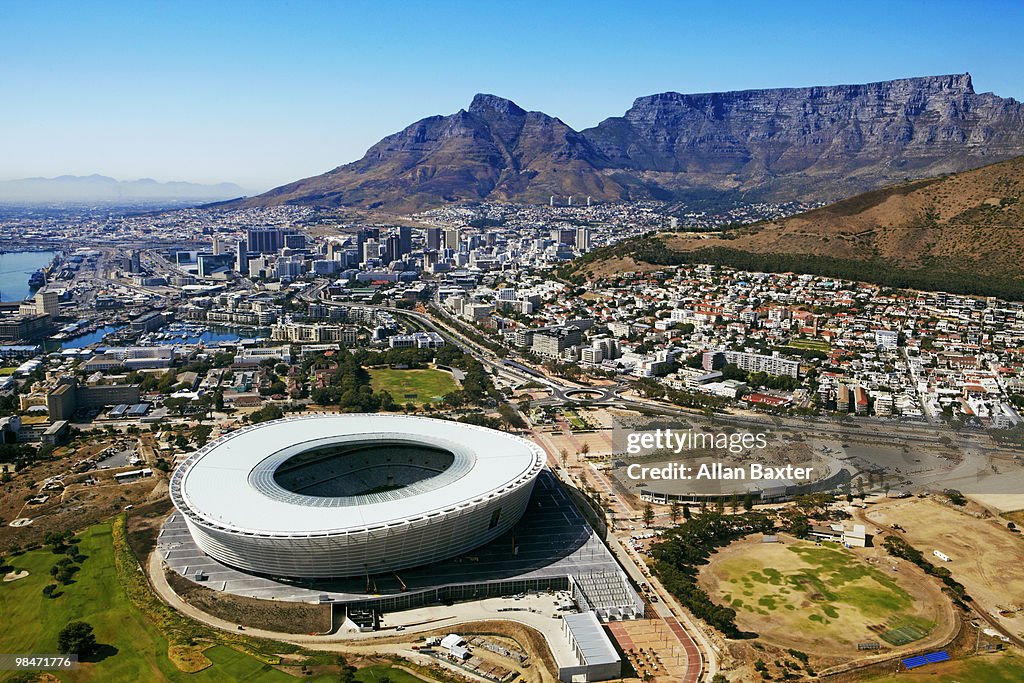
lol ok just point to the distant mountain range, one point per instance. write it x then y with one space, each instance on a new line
817 144
960 233
103 190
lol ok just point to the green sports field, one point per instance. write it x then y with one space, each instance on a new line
821 598
426 385
811 344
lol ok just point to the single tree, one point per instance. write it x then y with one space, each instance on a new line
648 514
76 638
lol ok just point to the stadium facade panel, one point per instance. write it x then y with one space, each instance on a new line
323 496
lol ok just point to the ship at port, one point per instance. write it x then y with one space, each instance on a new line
37 279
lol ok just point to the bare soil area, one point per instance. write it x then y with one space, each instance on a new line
985 556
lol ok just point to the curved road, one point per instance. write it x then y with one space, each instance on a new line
348 642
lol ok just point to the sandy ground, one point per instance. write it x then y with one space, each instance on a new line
1001 502
985 557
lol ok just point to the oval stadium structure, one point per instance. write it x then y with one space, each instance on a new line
325 496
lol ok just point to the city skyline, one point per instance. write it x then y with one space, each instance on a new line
273 94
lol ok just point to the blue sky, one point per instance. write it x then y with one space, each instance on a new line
261 93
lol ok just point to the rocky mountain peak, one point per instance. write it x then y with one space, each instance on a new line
484 104
960 82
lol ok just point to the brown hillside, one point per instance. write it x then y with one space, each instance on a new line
971 221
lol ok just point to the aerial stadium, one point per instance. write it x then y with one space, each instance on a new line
330 496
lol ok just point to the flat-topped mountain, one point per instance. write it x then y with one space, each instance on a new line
816 143
812 143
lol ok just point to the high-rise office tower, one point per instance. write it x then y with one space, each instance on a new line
583 239
242 258
295 241
404 241
269 240
392 248
433 238
451 238
371 250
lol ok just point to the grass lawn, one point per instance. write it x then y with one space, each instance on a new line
1006 667
812 344
825 578
824 593
7 371
573 419
133 649
427 385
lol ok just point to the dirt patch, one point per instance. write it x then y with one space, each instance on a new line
88 498
285 617
527 638
985 556
144 523
77 498
1016 517
188 658
618 266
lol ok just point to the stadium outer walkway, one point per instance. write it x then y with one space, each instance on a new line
360 643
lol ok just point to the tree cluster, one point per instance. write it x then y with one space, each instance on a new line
687 547
897 547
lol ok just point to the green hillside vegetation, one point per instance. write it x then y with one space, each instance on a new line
938 276
960 233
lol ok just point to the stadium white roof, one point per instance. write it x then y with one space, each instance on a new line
230 484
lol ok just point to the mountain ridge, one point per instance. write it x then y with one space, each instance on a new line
104 189
816 143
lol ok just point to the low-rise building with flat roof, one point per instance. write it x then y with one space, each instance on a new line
598 660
